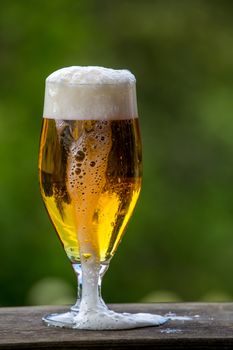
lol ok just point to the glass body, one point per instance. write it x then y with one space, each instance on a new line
90 179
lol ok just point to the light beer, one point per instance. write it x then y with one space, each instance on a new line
90 178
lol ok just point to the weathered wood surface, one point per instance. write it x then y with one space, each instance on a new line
211 327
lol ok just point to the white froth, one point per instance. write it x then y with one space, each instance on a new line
93 314
91 75
90 93
110 320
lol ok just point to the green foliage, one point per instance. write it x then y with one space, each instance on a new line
180 239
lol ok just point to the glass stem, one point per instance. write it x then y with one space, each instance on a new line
79 273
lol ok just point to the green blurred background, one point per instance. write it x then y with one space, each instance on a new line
179 243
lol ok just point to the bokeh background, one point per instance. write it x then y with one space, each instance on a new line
179 243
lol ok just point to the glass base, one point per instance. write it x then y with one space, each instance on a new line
103 319
63 320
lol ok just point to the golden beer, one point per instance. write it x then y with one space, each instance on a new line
90 179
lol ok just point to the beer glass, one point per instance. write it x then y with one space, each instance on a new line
90 177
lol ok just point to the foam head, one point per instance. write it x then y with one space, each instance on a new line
90 93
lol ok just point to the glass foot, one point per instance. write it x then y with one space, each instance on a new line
103 320
110 320
64 320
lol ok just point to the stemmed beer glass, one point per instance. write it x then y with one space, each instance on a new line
90 178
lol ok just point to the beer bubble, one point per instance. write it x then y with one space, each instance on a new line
92 163
78 171
80 156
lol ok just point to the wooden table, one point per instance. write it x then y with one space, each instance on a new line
210 327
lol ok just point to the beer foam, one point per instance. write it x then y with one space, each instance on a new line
94 93
94 315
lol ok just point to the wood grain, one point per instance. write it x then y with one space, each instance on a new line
211 327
